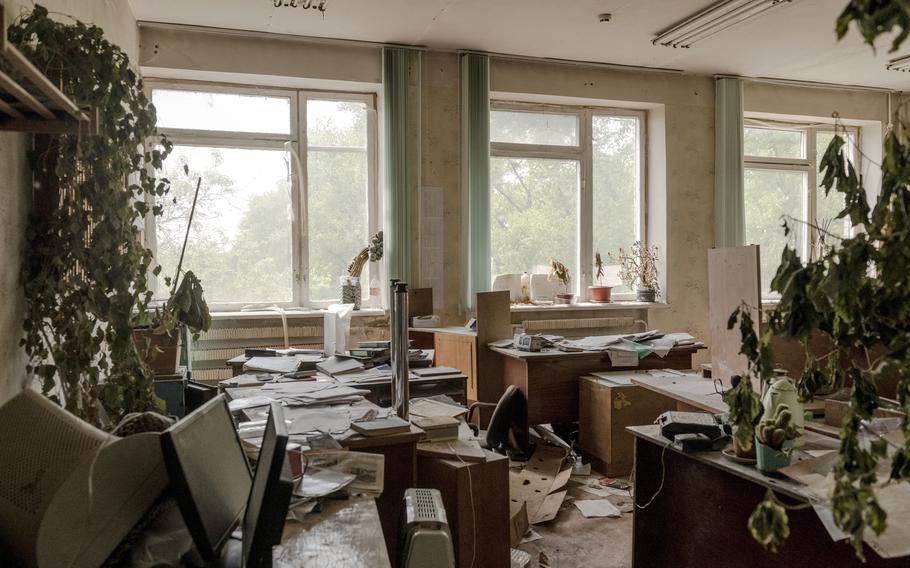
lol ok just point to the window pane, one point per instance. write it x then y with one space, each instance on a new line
769 143
336 123
338 218
223 112
616 189
240 240
828 207
534 128
770 197
533 214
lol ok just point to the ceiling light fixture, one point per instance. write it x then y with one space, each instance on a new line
305 4
712 20
899 64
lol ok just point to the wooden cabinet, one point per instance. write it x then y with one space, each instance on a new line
476 498
604 410
460 352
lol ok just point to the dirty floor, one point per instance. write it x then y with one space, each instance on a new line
571 540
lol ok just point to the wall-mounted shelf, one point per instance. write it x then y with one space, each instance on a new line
35 104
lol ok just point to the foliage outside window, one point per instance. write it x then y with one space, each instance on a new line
565 182
782 183
263 234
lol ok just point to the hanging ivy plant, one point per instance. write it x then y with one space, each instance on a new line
856 295
85 268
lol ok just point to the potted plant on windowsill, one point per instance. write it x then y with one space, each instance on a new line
774 440
600 294
638 270
157 333
560 272
350 283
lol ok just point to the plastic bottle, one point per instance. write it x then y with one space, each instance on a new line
375 294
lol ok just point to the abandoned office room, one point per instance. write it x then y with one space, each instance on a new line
454 283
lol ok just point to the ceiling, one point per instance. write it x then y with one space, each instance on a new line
793 42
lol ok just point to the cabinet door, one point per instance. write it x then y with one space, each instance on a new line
458 351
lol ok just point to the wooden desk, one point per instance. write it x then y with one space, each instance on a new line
549 379
699 516
691 393
345 534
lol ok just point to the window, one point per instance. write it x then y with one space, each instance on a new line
565 182
288 192
782 183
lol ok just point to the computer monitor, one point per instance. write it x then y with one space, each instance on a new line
209 474
270 496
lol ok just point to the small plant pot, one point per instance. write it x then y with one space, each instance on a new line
769 460
564 298
160 351
600 294
646 295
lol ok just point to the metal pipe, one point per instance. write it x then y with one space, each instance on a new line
399 350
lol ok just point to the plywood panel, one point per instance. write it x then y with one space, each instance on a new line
733 278
494 322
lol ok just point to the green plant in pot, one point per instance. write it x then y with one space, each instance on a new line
774 440
560 272
600 294
638 270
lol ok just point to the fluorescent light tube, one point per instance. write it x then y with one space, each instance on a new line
713 20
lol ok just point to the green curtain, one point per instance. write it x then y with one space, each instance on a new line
475 152
729 207
395 74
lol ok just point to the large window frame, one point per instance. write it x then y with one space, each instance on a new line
583 153
807 164
297 139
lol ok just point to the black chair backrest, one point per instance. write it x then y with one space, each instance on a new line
508 429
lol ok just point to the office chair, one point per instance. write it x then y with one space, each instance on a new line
507 432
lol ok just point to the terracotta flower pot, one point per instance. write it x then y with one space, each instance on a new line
601 294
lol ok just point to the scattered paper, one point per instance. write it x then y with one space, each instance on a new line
581 469
826 516
326 420
531 537
597 508
468 450
368 469
321 482
604 491
895 541
519 558
427 408
249 402
621 356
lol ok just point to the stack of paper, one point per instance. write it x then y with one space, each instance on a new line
307 393
334 366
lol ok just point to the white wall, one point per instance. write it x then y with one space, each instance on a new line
115 17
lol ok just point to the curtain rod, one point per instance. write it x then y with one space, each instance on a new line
809 84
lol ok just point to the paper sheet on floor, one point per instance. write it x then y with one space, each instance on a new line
895 541
519 558
604 491
531 536
597 508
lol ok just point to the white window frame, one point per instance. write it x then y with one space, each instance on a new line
299 179
808 164
583 152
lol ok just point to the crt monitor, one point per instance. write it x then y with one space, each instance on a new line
209 474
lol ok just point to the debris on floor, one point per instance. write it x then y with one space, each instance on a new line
597 508
520 558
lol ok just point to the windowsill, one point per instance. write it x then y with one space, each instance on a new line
292 314
590 306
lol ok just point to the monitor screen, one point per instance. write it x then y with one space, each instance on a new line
209 474
267 507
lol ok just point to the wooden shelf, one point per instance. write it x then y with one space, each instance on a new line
35 104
